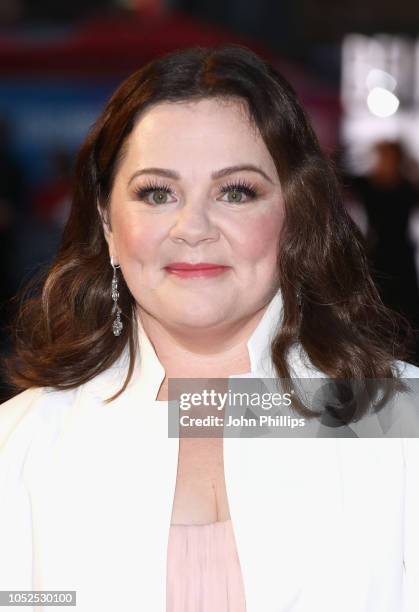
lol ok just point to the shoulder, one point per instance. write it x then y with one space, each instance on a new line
405 406
36 407
45 407
14 410
407 370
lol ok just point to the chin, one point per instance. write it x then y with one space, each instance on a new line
198 315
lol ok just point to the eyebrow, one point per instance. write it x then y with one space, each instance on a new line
215 175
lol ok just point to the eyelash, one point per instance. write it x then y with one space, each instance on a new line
248 189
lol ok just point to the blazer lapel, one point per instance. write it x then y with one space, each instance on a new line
298 510
102 498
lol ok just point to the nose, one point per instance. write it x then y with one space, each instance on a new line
193 224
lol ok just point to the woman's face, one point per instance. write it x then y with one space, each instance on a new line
197 209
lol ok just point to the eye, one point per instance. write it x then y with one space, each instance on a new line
237 190
160 193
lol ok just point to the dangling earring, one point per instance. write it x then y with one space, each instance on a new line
299 298
117 325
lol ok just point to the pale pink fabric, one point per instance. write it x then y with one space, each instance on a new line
203 569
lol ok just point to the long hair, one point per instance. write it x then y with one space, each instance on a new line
63 330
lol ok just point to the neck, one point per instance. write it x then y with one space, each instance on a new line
217 352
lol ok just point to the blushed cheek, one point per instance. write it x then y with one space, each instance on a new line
139 242
260 238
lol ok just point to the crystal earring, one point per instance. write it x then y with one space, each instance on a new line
299 298
117 325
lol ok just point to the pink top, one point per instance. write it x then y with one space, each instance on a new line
203 569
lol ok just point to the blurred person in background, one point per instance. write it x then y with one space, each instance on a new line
390 199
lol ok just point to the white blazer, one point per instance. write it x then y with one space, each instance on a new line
86 493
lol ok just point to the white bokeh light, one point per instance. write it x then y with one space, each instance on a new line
382 102
380 78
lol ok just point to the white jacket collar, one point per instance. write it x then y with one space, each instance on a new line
259 342
150 369
149 372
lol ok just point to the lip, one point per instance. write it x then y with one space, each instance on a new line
201 269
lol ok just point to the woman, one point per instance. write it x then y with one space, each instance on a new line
206 214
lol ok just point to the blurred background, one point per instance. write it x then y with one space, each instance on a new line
355 67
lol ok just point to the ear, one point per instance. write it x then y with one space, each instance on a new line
107 232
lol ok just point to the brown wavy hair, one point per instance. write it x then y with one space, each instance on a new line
63 330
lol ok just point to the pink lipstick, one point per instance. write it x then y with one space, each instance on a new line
187 270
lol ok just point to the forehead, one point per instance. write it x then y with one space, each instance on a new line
212 130
201 113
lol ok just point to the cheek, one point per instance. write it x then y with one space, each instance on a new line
257 237
138 239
